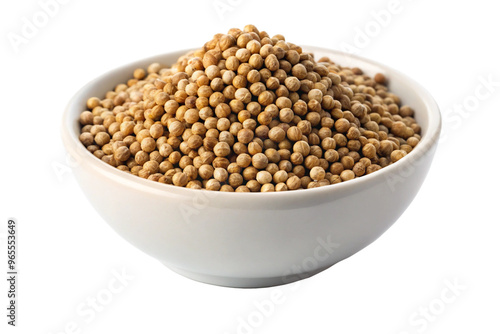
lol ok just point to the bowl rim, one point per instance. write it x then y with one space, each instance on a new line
82 155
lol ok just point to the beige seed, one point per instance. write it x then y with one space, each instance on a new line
293 183
347 175
277 134
102 138
317 173
213 185
245 136
221 174
122 154
180 179
260 161
222 149
264 177
249 112
397 155
87 138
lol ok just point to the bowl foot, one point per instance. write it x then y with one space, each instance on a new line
244 282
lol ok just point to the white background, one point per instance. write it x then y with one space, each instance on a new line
68 254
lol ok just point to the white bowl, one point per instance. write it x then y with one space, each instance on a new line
253 239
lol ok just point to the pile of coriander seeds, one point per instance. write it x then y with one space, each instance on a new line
249 113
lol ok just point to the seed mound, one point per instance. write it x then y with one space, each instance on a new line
248 112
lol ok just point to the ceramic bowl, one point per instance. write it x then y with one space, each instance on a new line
253 239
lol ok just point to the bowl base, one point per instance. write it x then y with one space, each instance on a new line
244 282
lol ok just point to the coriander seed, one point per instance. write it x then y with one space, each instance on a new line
180 179
260 161
317 173
249 112
264 177
293 183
